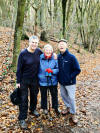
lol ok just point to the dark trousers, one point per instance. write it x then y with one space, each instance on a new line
54 96
33 88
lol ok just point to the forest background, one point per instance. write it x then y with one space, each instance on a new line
78 21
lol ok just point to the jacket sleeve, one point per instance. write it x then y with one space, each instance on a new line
76 68
55 70
19 68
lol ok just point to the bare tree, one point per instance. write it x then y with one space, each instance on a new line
64 16
87 16
36 6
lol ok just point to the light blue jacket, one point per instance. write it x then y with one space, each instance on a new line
42 75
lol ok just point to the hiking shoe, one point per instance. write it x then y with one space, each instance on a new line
74 118
57 111
23 124
66 111
35 113
45 111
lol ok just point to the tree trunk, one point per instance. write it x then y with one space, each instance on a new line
64 16
55 9
35 25
18 31
68 11
42 15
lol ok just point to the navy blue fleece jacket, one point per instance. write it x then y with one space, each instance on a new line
68 68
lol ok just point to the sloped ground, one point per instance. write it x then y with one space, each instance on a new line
87 95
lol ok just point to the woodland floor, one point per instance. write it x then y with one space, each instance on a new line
87 94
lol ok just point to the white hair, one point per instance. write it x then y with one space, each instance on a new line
48 46
33 37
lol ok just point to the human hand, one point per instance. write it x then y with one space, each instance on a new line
55 56
18 85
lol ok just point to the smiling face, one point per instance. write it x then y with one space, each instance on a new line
62 46
48 50
33 43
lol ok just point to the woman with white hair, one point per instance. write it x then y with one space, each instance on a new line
48 78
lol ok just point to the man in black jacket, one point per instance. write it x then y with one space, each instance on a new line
68 70
27 70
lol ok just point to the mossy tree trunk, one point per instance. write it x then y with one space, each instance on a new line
35 25
42 15
18 31
55 9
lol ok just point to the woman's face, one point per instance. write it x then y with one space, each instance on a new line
48 51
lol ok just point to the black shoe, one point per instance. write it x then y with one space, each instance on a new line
58 112
35 113
23 124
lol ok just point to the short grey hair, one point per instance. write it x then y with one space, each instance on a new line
48 45
33 37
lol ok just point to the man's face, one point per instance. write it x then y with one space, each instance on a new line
33 44
62 46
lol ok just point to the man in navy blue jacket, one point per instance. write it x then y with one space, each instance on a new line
68 70
27 77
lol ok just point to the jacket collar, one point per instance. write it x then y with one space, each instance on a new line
65 53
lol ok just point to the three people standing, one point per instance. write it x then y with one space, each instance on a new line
35 66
